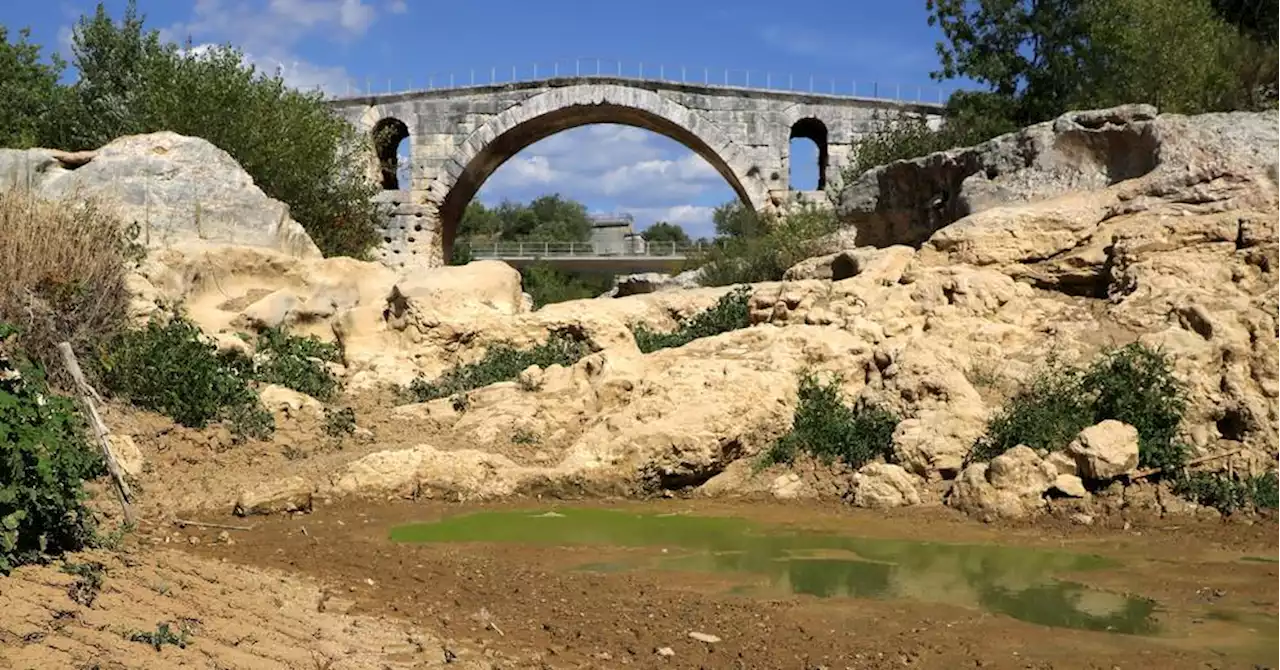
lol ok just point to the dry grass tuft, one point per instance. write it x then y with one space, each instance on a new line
62 274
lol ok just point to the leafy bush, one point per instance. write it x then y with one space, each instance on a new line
500 363
162 635
44 459
901 136
1228 494
1133 384
1046 414
62 275
547 285
89 577
169 368
296 362
828 429
731 312
339 423
766 248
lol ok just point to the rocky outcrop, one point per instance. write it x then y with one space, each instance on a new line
1181 256
1011 486
178 189
883 485
905 202
1105 451
652 282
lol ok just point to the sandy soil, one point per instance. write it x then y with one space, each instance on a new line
329 590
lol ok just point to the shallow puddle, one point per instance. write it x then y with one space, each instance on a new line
1018 582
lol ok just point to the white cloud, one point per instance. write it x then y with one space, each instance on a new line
695 219
524 172
681 178
398 7
269 33
616 168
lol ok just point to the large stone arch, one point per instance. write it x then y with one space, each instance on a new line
514 129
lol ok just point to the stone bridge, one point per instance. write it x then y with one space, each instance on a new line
460 136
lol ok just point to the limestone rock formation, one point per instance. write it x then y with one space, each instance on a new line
1181 255
1106 450
652 282
1011 486
883 485
287 495
178 189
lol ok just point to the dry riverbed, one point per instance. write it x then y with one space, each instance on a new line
532 605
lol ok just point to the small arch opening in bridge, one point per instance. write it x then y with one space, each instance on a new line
390 144
808 158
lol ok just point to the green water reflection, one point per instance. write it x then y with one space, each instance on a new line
1013 581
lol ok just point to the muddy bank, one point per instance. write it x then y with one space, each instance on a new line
534 604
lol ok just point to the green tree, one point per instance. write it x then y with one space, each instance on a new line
1029 51
31 92
1258 19
665 232
1174 54
295 149
736 220
1039 58
550 218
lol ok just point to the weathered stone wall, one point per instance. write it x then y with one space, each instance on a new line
460 136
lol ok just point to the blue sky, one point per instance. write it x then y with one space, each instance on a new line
341 45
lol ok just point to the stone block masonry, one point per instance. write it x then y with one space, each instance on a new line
460 136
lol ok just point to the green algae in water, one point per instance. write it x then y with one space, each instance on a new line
1017 582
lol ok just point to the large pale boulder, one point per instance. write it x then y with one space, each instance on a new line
292 494
884 485
425 471
1106 450
652 282
178 189
1011 486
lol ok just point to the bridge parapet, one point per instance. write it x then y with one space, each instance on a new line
553 250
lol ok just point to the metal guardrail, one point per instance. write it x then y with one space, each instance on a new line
502 250
640 71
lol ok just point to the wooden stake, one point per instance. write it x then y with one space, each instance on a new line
87 395
204 524
1195 461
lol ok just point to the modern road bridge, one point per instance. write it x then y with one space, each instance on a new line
460 135
668 257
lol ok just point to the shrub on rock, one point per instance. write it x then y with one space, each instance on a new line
731 312
1133 385
826 428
